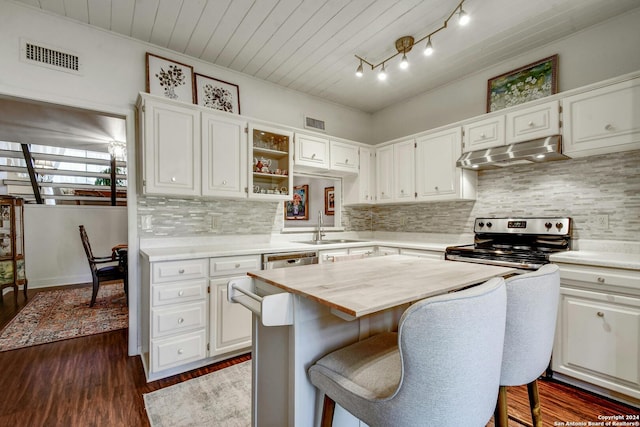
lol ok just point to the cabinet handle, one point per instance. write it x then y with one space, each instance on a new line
600 314
180 351
482 135
600 279
402 191
313 156
180 321
180 293
237 265
181 271
224 182
436 187
608 127
346 161
530 124
173 179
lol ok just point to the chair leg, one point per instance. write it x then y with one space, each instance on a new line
328 408
500 415
94 293
534 403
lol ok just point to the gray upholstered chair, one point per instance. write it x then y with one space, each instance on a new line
532 307
442 367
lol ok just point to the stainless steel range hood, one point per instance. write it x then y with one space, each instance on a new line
534 151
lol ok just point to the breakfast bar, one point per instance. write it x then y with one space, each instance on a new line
303 313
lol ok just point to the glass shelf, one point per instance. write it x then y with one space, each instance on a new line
271 163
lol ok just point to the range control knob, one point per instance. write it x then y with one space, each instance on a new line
489 224
481 224
548 225
559 225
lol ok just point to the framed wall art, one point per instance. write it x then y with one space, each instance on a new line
168 78
298 207
217 94
524 84
329 201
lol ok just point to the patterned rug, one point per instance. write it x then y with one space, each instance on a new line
65 313
221 398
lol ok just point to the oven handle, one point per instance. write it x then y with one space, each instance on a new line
522 266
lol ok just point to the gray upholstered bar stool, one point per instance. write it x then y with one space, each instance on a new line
442 367
532 308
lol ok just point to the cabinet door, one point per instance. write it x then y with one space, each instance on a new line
359 189
224 156
437 176
311 152
535 122
404 171
484 133
271 158
172 149
384 174
344 157
230 324
603 120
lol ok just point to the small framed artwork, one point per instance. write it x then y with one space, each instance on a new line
329 201
524 84
298 208
217 94
168 78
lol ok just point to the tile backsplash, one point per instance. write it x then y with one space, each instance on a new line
578 188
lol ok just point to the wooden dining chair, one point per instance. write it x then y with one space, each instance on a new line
113 268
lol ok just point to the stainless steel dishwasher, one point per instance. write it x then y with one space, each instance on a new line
288 259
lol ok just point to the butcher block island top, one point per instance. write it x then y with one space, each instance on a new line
365 286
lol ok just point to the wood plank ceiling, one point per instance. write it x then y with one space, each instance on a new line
309 45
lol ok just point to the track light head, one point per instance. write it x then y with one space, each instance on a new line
463 17
404 64
359 71
382 74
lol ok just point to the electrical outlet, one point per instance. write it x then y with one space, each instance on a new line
215 222
602 221
145 222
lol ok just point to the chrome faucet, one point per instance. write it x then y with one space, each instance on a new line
320 234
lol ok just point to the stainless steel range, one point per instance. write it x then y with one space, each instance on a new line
523 243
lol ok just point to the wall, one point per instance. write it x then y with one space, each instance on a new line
53 250
577 188
600 52
113 72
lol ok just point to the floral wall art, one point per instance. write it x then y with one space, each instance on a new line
217 94
169 78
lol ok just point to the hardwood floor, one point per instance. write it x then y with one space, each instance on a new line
90 381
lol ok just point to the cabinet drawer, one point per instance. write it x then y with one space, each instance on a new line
181 292
233 265
344 157
600 277
174 319
485 133
534 122
172 271
176 351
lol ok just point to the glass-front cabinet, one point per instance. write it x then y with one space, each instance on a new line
12 268
271 161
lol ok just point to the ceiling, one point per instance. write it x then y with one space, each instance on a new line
309 45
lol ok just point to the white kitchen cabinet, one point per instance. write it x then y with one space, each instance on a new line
404 177
384 174
170 135
534 122
271 157
360 189
603 120
437 177
421 253
598 332
484 133
341 254
385 250
343 157
311 152
224 154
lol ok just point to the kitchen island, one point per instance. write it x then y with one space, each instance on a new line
303 313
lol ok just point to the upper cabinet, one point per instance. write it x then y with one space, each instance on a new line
437 177
271 159
311 152
344 157
534 122
224 154
484 133
170 135
384 174
360 188
404 172
602 120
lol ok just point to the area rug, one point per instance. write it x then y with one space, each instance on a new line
65 313
221 398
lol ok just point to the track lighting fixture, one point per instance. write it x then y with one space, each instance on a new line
406 43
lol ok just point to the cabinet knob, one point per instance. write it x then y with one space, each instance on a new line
313 156
346 161
224 182
181 271
180 351
600 314
402 191
173 179
600 279
436 187
180 321
237 265
181 293
608 127
530 124
482 135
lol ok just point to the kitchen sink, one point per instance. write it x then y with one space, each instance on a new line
329 241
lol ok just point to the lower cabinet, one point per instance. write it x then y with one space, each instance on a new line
187 321
422 253
598 332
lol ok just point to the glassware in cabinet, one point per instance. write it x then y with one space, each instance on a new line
271 160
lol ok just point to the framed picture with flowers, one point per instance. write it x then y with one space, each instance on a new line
524 84
217 94
170 79
298 207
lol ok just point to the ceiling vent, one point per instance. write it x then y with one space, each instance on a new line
315 124
49 57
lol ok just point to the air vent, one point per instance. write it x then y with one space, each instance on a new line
49 57
311 123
